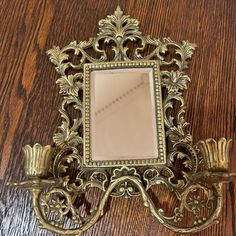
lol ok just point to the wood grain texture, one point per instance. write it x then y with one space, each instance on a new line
29 98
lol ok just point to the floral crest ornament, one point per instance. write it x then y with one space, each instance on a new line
193 172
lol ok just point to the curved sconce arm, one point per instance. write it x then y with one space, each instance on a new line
214 196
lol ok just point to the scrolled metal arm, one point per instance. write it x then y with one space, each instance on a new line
157 213
99 212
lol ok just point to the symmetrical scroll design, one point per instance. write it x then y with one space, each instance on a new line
53 203
119 39
117 30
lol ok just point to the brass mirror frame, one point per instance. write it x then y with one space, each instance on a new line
198 186
90 67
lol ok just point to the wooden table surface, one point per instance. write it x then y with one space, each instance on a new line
29 97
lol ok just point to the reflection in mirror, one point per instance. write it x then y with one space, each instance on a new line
123 120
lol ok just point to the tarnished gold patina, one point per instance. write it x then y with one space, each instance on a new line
204 166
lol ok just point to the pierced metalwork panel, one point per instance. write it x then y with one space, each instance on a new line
195 173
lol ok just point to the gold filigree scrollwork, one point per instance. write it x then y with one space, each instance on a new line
197 186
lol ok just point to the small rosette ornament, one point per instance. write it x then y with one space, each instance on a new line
37 160
215 154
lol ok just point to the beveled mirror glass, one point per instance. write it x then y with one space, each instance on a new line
123 111
125 114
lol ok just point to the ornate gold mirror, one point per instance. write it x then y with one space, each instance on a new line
123 131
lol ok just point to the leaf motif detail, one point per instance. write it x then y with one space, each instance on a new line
119 26
56 56
70 84
174 80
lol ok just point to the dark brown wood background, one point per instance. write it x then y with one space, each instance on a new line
29 98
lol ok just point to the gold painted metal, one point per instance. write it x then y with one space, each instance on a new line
204 166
